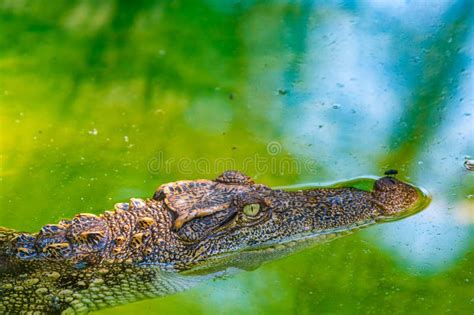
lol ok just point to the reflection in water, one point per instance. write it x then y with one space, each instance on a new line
430 242
357 87
359 80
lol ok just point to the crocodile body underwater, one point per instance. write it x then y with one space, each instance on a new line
189 231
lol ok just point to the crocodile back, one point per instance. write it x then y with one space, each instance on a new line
49 286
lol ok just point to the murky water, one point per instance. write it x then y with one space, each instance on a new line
102 102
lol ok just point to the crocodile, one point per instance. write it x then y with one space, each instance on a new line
187 232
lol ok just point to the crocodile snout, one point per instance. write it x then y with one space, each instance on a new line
394 196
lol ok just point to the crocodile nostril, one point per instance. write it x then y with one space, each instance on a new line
389 180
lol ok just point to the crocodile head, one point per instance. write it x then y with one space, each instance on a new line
230 217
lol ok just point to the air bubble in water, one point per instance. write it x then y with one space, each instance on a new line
93 132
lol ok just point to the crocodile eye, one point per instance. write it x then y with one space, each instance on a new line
252 209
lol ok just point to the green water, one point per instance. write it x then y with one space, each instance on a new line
102 101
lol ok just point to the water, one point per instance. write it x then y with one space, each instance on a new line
99 103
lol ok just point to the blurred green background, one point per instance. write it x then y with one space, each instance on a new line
101 101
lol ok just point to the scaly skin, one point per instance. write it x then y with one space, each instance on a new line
189 231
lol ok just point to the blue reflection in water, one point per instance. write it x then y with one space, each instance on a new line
349 75
431 241
434 239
